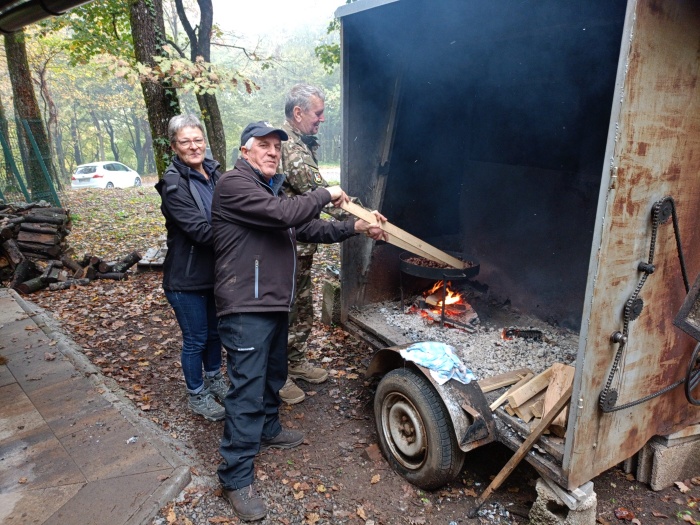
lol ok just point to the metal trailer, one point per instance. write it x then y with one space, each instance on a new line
559 144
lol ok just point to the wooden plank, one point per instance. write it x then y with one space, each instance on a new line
523 450
489 384
538 408
562 377
529 389
501 399
396 232
524 411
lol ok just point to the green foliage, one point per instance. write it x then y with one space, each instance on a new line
329 54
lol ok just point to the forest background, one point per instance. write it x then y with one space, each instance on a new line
90 87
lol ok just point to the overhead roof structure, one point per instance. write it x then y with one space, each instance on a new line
15 14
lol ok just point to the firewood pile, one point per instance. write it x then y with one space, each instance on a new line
34 253
531 396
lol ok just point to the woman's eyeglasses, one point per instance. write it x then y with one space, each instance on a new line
186 143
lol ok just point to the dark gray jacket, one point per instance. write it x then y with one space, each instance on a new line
189 263
255 230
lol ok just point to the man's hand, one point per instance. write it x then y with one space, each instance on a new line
373 231
338 196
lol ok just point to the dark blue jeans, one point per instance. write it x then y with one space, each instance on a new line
256 346
201 345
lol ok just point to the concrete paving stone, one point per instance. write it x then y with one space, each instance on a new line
20 335
34 507
38 458
71 405
17 414
102 451
110 501
32 371
10 311
6 377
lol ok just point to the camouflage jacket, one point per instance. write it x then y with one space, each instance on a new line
300 166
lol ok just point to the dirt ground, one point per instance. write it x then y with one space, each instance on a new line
128 330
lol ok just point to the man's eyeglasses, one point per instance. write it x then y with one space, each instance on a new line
186 143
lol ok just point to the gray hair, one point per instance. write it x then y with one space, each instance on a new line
249 143
179 122
301 95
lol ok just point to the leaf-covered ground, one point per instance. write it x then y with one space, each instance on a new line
129 331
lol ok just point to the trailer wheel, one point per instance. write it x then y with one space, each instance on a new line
415 430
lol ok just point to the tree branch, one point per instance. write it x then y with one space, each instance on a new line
191 34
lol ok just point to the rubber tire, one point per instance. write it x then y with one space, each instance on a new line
405 392
137 182
109 186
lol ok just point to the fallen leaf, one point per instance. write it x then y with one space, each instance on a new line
299 495
361 513
48 356
219 519
375 479
471 493
622 513
22 481
171 517
695 481
688 517
635 521
682 486
321 488
312 518
658 514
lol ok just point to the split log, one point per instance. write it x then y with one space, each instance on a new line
70 283
115 276
127 262
529 389
13 252
524 411
498 402
39 227
52 251
60 221
105 267
49 239
561 379
31 286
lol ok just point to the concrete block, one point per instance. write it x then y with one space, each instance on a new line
644 461
673 463
574 498
330 307
550 509
629 466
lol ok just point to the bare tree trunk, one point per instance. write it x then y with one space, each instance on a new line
148 32
27 108
75 135
200 45
110 131
100 138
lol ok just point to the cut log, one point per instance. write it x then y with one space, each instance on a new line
492 383
22 273
38 228
6 232
70 263
48 239
13 252
70 283
561 379
60 221
105 267
498 402
127 262
115 276
31 286
52 251
529 389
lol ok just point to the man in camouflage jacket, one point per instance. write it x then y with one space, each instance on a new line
304 107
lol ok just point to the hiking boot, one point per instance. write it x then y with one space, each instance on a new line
306 371
206 406
217 385
285 439
247 503
291 394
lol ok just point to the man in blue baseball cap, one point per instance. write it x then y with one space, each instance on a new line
255 231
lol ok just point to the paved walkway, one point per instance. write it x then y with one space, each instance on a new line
71 451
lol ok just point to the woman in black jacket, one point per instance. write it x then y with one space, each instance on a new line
186 192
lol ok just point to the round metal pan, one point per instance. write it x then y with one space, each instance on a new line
437 273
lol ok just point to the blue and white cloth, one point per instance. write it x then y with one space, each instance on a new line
440 359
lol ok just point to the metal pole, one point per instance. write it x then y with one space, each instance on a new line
13 167
35 147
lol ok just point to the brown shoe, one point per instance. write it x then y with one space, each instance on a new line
247 503
285 439
291 394
306 371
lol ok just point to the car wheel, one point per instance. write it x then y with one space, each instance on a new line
415 430
109 186
137 182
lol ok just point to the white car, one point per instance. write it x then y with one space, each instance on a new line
104 175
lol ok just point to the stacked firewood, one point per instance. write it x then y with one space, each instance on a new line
34 253
531 396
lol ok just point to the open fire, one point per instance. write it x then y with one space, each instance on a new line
456 311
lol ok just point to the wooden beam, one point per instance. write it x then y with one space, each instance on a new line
529 389
498 402
492 383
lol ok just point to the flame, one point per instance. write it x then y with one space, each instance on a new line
451 297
